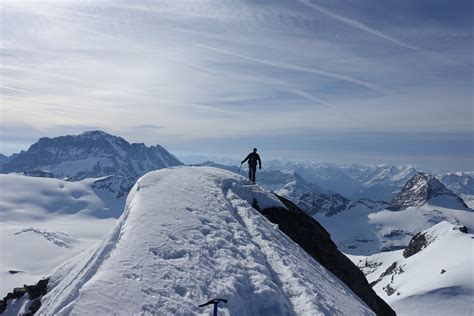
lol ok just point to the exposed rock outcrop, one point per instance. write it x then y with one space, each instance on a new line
419 190
34 292
416 244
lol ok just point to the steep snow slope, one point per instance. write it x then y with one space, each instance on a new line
44 222
188 235
437 280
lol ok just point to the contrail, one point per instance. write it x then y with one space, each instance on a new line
368 29
366 84
358 25
308 96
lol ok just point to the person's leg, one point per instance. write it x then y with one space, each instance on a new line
254 169
250 173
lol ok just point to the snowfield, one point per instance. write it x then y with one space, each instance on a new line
44 222
363 231
188 235
438 280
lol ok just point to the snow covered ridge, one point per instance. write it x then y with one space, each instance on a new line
91 154
190 234
434 278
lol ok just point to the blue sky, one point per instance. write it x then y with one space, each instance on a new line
338 81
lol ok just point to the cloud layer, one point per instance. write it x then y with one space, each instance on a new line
180 72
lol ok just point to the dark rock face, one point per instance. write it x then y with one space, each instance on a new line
418 190
316 241
3 160
329 204
390 290
34 306
90 155
416 244
35 292
39 174
118 185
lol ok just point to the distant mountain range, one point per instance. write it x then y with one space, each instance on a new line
91 154
309 196
353 181
316 187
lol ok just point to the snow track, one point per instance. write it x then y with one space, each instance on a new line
189 235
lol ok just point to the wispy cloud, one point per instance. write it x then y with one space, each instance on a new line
364 27
368 85
208 71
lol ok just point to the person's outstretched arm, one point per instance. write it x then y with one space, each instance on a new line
246 158
259 162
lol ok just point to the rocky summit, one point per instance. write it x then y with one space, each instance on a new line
420 189
91 154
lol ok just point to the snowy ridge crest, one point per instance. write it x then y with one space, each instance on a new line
190 234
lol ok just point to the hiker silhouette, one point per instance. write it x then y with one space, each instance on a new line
253 158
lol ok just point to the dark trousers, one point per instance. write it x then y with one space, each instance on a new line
252 171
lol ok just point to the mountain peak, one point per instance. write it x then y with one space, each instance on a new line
91 154
421 189
96 134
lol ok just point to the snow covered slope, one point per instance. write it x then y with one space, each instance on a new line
361 230
423 202
461 183
437 278
188 235
91 154
44 222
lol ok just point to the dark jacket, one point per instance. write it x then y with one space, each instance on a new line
253 158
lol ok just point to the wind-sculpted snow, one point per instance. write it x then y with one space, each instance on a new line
190 234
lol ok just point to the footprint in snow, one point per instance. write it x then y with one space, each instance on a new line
132 276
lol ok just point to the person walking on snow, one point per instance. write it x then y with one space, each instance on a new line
253 158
